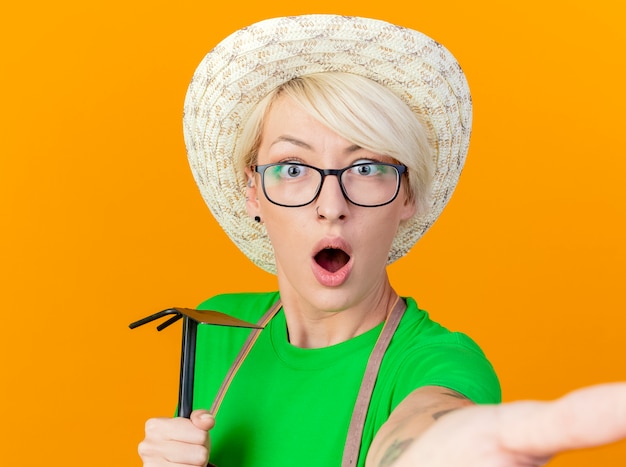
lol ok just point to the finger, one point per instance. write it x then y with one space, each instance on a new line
174 429
202 419
172 453
585 418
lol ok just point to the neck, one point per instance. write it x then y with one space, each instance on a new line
313 326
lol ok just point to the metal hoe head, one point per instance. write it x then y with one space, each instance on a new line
191 319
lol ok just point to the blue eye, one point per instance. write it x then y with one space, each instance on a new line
369 170
292 171
287 171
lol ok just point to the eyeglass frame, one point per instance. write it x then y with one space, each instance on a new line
400 168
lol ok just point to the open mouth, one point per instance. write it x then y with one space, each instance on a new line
332 259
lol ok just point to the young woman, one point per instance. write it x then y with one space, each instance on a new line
326 146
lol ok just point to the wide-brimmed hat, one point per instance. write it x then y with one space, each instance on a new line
250 63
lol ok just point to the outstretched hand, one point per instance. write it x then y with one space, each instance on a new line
522 433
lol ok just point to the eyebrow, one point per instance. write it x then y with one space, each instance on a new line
302 144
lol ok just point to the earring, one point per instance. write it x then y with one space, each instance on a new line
257 218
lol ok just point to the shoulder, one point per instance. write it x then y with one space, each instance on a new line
417 330
425 353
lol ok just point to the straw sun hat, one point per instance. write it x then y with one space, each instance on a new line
249 63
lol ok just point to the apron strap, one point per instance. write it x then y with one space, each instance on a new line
357 423
243 353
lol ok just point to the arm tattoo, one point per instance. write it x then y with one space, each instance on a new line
441 413
455 394
394 451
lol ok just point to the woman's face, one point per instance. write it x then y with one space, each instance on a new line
330 254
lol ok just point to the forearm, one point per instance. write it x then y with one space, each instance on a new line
419 411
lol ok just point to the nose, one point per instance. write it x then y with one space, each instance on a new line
331 204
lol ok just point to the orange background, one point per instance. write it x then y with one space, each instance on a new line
102 224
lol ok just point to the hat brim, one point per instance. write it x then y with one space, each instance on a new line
253 61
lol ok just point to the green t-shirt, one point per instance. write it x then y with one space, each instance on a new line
290 406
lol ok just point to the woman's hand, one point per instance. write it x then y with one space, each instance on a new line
177 441
521 433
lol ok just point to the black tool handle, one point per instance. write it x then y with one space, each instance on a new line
187 366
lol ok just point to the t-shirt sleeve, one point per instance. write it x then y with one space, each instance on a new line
453 361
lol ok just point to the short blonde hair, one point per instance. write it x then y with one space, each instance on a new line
360 110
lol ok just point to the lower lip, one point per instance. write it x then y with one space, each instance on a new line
331 279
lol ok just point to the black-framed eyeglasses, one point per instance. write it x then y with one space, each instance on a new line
367 184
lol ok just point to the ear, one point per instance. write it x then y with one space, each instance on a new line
408 210
252 195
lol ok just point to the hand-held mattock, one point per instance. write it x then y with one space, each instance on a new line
191 319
